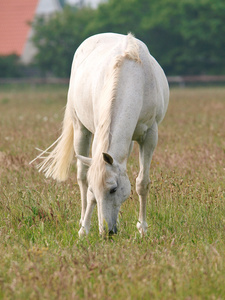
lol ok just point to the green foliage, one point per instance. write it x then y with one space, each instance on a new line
10 66
202 28
58 37
186 37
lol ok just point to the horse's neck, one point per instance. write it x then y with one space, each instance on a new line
124 121
120 117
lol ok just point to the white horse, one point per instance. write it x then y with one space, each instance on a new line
118 93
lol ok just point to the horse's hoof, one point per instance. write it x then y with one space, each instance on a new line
142 227
82 232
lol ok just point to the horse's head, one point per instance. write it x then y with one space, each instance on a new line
110 190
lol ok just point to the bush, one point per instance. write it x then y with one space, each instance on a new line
10 66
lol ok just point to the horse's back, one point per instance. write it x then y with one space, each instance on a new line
91 66
98 46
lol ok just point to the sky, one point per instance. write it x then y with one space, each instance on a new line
93 3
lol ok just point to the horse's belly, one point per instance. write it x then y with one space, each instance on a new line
80 95
141 131
84 112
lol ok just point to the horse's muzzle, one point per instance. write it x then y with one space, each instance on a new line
113 230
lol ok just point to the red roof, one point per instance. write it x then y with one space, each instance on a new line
14 27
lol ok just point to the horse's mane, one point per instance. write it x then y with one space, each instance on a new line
97 170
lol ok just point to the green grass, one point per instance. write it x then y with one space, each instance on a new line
183 254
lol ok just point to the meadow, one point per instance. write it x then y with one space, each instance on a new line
183 254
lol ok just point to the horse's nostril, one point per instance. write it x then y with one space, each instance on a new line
113 231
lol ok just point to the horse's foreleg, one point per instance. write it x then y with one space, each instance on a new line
86 223
147 148
82 141
83 185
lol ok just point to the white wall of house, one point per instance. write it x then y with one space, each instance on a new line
44 8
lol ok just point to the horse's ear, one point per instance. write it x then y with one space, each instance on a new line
85 160
107 158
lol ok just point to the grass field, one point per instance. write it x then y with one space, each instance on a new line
183 254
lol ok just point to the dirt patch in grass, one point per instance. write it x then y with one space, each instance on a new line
13 162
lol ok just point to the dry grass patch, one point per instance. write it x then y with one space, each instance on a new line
183 254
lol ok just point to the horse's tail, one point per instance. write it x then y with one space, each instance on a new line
56 164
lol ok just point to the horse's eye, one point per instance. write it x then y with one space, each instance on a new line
113 190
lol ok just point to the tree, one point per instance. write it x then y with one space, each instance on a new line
203 32
186 37
10 66
58 37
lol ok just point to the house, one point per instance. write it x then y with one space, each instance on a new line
15 25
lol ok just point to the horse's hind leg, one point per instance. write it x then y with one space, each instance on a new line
147 148
82 142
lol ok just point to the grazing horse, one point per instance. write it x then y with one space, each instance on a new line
118 93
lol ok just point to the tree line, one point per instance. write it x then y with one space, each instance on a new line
186 36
